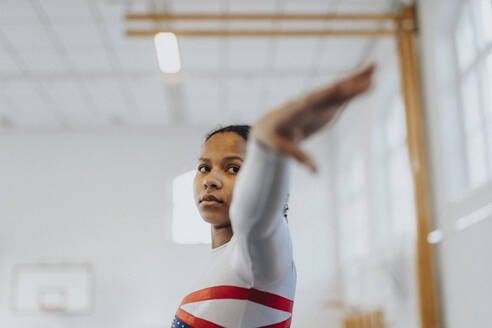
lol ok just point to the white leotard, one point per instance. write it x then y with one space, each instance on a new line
249 281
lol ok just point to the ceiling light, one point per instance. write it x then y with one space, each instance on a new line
166 46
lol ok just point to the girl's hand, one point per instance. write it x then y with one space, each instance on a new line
284 128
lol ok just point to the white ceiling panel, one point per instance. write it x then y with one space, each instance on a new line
70 102
86 60
248 54
243 99
30 108
200 53
310 7
152 103
202 101
136 55
142 5
282 89
136 60
110 12
73 12
16 12
5 106
364 6
6 62
294 53
116 32
342 54
198 6
109 99
30 37
241 6
79 36
45 59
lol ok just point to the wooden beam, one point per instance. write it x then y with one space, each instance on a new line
260 16
410 83
264 33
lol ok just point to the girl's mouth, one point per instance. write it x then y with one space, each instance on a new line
210 200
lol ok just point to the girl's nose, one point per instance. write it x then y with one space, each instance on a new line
212 181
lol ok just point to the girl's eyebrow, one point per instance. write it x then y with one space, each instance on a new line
229 158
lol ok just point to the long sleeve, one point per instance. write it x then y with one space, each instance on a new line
263 248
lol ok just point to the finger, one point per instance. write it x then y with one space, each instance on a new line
292 149
354 81
367 71
354 85
340 92
364 74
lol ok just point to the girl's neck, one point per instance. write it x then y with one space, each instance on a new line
221 235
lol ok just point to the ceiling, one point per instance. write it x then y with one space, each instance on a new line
67 64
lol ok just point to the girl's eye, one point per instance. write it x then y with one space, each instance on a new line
233 169
203 169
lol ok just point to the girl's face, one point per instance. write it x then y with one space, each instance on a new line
219 163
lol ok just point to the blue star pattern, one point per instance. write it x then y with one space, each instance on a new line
177 323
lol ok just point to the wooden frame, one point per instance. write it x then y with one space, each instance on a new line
263 33
410 83
157 18
405 34
260 16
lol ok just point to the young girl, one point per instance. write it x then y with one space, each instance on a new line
250 279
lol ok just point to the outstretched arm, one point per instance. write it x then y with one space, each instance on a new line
263 247
263 250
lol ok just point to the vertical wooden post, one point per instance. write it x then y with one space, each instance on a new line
410 83
378 319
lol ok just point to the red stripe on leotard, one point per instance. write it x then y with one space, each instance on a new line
239 293
273 301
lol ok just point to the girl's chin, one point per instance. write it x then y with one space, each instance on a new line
216 221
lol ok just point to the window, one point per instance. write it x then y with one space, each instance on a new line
398 175
352 205
473 48
188 227
489 101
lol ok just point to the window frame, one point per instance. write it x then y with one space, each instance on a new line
347 197
388 154
478 68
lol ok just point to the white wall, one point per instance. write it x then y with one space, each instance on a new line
104 198
313 230
463 256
